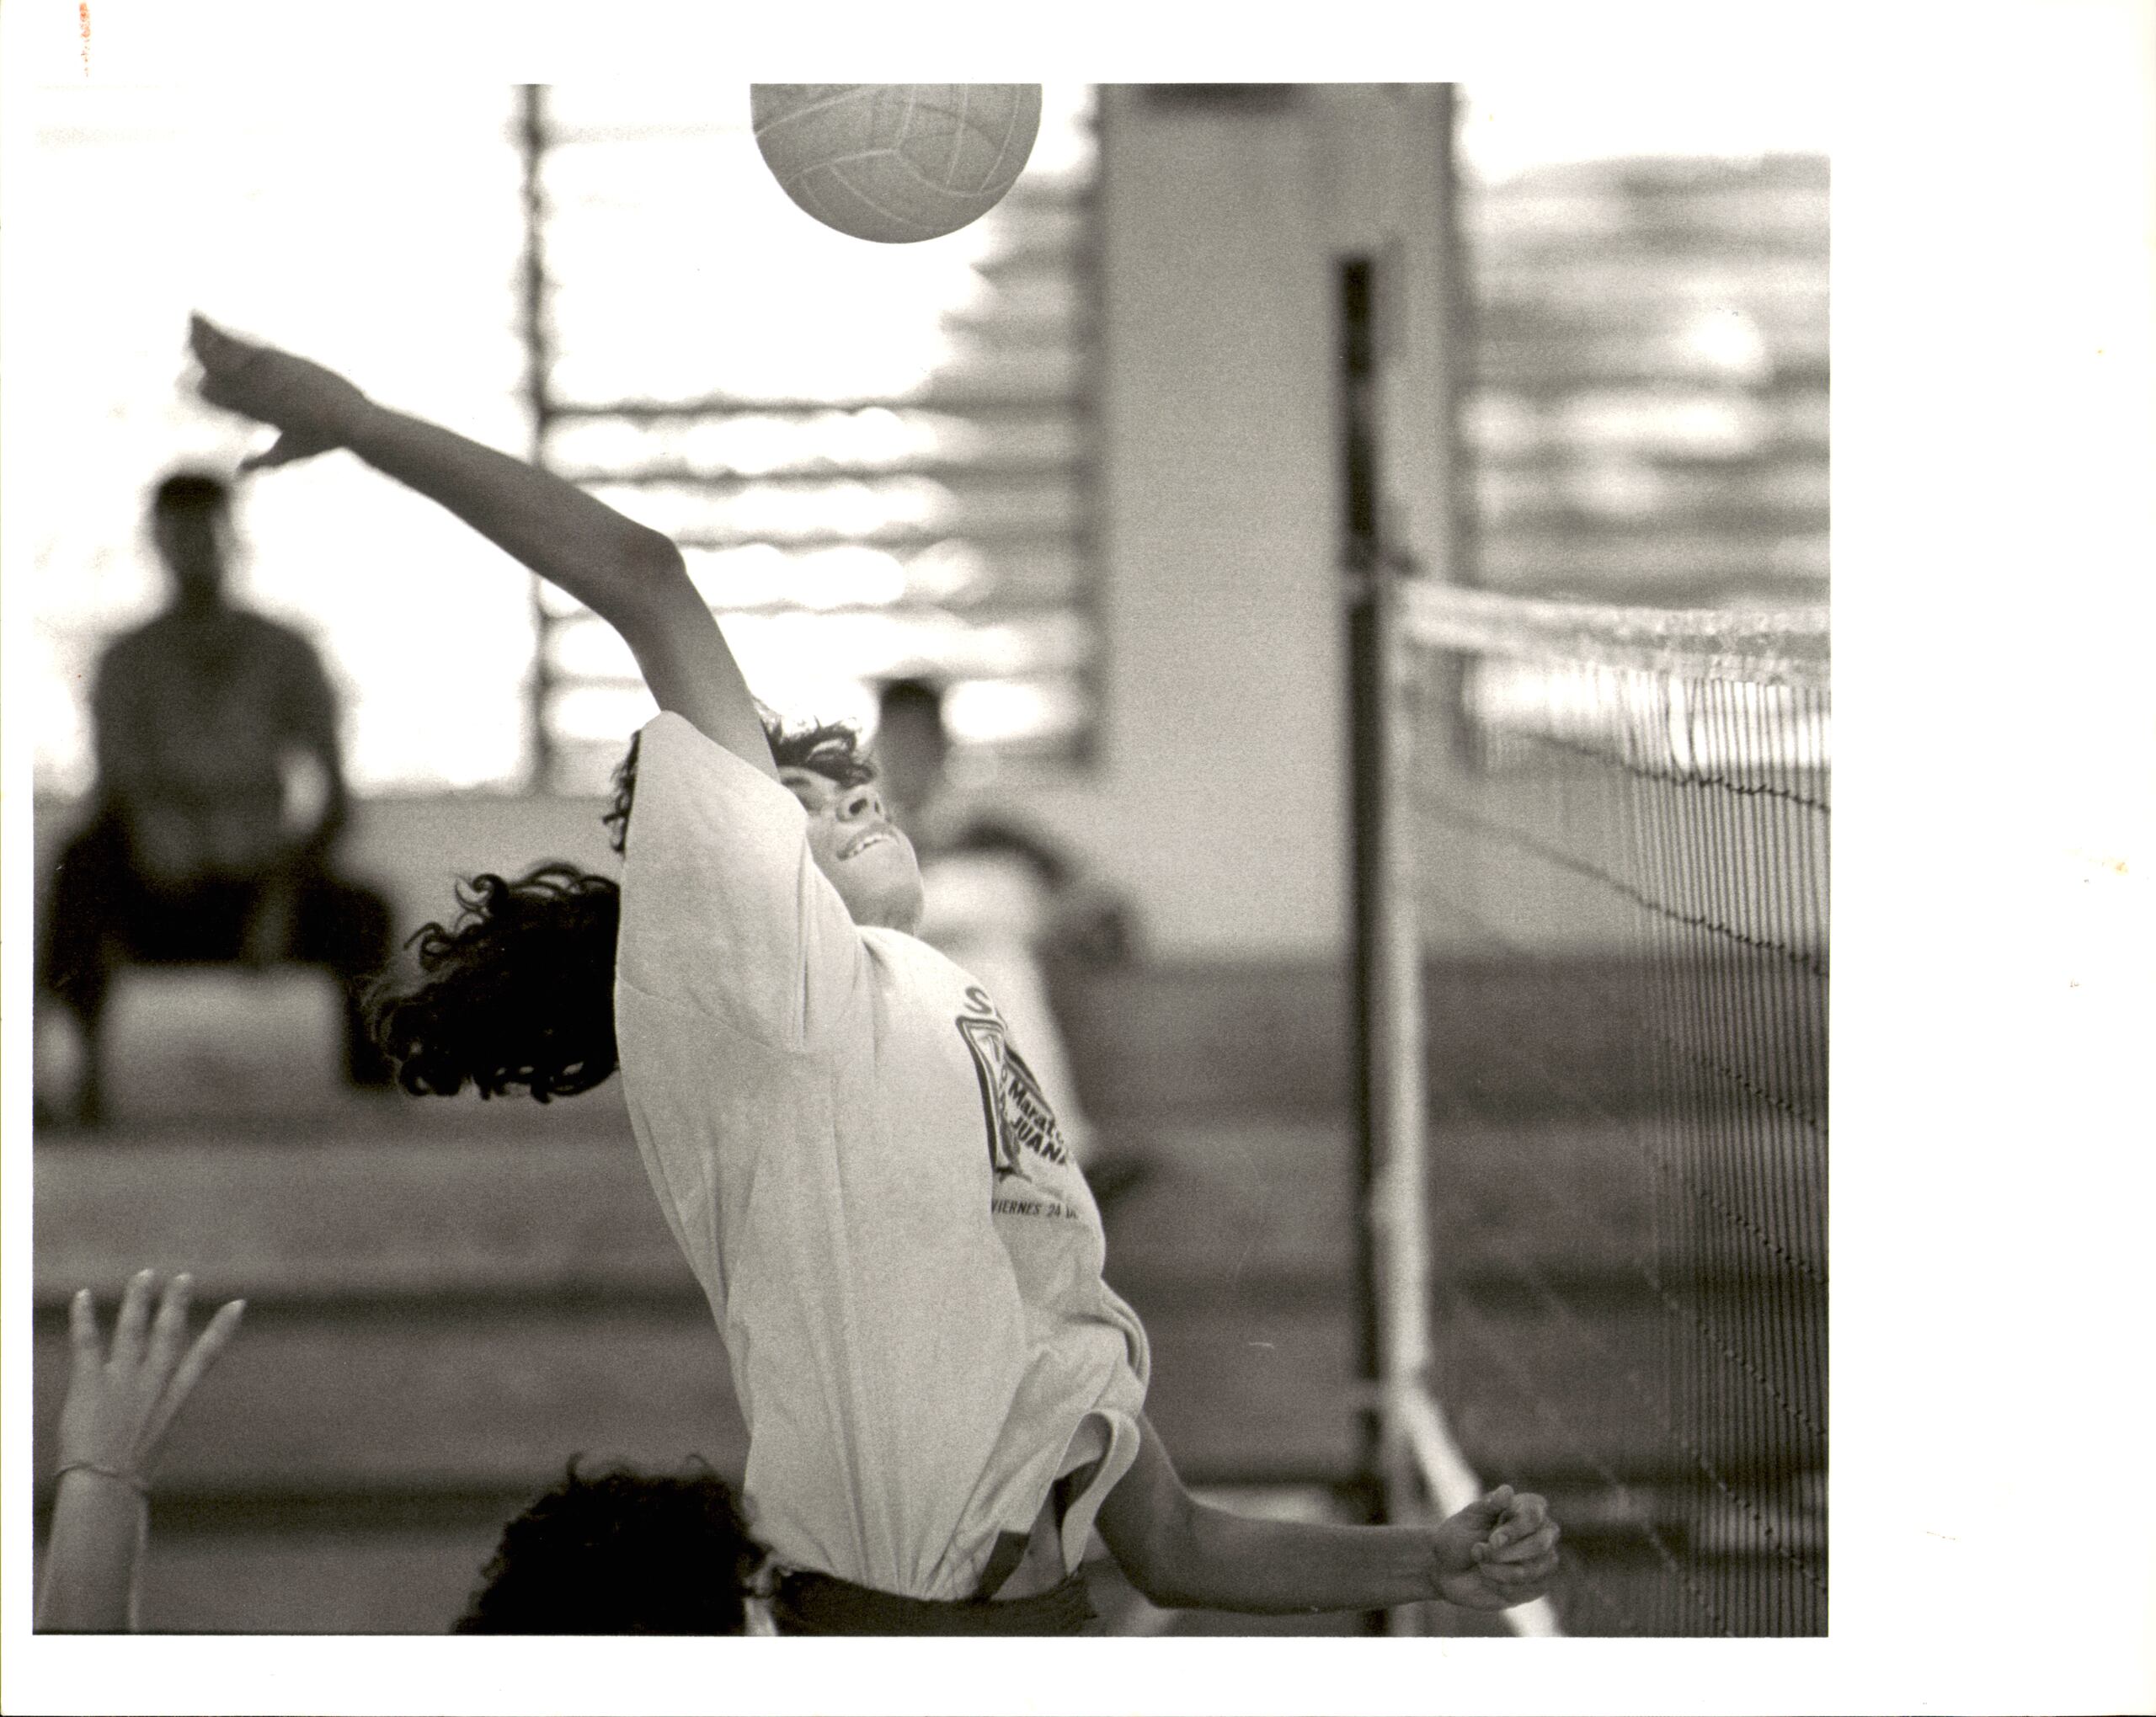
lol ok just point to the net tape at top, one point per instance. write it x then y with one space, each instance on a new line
1748 646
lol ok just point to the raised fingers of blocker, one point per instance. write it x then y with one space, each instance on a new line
150 1350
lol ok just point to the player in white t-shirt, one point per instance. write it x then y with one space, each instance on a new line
943 1398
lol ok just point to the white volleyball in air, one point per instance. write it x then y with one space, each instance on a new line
895 163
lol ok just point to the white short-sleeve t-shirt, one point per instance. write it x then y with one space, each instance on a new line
903 1262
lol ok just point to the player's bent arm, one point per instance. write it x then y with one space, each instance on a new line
630 576
1182 1554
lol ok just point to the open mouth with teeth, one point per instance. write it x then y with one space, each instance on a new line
862 843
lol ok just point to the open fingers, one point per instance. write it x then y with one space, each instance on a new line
216 1336
133 1315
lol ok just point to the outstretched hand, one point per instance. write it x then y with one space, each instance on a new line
118 1407
121 1404
312 408
1497 1552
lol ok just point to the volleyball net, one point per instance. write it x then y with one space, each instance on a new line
1599 1203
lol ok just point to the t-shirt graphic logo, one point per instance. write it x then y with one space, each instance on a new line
1012 1103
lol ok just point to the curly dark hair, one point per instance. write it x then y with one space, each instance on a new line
517 993
619 1552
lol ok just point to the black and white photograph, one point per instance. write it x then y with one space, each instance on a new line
1058 860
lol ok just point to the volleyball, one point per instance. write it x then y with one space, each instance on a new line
895 163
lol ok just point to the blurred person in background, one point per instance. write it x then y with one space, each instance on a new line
1007 904
220 799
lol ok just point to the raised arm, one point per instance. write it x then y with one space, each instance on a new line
632 577
1182 1553
118 1409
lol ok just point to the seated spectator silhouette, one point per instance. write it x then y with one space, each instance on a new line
1006 903
220 797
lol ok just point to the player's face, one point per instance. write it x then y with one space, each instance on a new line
866 855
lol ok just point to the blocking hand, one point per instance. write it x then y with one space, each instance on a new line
311 407
1497 1552
119 1405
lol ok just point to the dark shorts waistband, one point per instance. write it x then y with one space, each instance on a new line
819 1603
